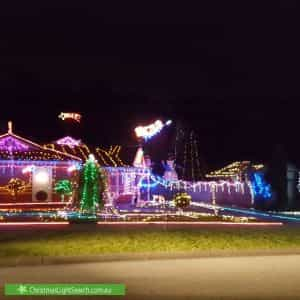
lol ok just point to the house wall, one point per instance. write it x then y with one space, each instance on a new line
9 172
124 184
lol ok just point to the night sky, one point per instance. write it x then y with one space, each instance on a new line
227 70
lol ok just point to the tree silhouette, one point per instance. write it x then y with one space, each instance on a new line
277 176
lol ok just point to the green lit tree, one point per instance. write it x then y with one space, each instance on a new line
63 188
90 194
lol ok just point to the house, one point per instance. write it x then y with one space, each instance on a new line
29 172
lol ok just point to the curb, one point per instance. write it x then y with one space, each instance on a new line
56 260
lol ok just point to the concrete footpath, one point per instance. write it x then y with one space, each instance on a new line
57 260
218 278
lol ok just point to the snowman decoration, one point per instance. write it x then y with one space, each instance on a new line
170 173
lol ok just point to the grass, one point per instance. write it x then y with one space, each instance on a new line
95 242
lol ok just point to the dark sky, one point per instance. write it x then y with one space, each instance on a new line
228 69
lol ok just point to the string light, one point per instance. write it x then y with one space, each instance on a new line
260 187
28 169
191 161
90 191
69 145
63 187
74 116
68 141
15 186
12 144
234 170
15 147
147 132
182 200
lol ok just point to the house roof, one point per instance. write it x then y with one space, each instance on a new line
16 147
234 169
105 157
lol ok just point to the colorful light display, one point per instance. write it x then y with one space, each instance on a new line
68 141
138 183
16 186
70 146
74 167
139 161
64 188
182 200
147 182
147 132
192 168
11 144
17 148
90 190
28 169
260 187
70 115
234 170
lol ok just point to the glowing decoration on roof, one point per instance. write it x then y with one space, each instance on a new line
17 148
139 161
77 148
70 115
68 141
147 132
232 170
235 169
92 158
10 144
258 167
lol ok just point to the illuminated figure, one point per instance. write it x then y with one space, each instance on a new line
147 132
169 166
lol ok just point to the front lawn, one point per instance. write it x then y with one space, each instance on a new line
95 241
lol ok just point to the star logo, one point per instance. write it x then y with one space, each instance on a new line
22 289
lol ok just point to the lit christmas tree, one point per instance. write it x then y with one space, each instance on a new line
193 167
64 188
90 186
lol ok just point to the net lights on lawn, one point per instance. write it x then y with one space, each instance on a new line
147 132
